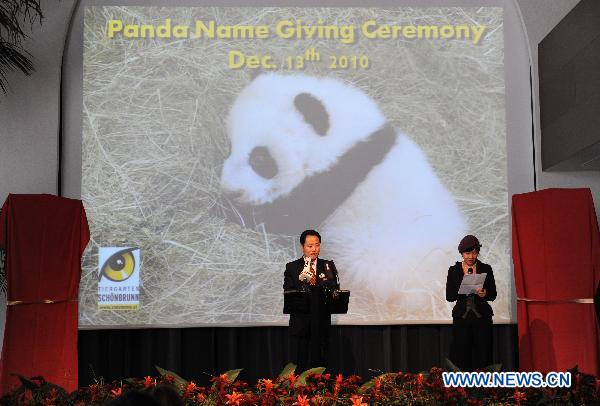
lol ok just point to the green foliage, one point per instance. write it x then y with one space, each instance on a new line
449 365
35 391
312 387
179 381
302 378
233 374
369 385
288 370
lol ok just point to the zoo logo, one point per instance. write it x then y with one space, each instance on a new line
119 266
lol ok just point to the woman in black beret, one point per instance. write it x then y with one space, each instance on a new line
471 346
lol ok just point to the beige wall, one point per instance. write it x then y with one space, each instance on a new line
540 17
29 113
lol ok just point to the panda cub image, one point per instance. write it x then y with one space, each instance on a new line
311 152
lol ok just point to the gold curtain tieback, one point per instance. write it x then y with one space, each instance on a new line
43 301
581 301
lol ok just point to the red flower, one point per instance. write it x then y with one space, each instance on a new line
148 382
189 390
338 382
320 390
25 397
357 401
116 392
221 381
302 401
519 397
93 392
51 398
268 384
376 387
234 399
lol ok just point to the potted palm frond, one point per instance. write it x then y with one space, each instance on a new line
16 18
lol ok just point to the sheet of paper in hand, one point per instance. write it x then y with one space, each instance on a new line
471 283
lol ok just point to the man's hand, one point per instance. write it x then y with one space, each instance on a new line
481 292
305 276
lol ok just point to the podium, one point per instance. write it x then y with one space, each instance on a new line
298 302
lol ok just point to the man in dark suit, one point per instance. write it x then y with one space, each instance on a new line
309 333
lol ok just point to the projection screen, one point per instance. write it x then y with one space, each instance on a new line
213 136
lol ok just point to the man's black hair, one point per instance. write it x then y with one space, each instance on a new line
306 233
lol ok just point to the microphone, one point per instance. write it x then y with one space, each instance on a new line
328 271
330 275
469 272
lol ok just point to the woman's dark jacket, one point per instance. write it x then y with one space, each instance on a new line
455 277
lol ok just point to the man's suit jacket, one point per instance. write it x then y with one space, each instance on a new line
319 317
326 275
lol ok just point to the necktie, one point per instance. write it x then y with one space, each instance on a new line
313 275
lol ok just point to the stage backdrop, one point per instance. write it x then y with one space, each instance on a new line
213 136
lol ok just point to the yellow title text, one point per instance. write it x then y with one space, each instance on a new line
294 29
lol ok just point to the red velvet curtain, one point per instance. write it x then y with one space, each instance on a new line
556 251
44 237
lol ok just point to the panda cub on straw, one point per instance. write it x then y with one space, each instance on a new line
310 152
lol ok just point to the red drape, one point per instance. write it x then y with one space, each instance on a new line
44 237
556 251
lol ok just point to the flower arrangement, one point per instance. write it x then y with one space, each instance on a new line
313 387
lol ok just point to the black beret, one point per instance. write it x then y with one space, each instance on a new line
468 243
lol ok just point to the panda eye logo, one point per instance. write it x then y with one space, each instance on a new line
119 266
313 111
263 163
